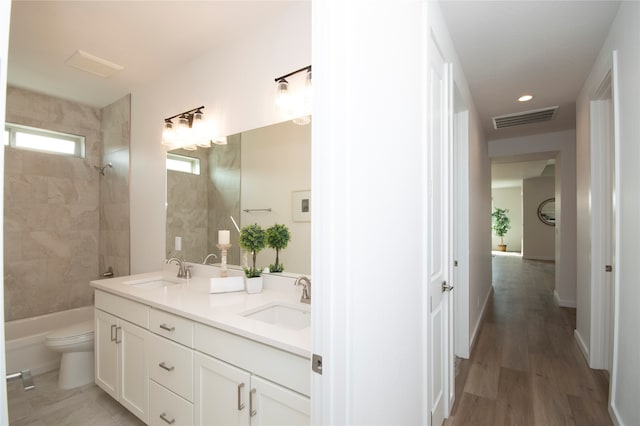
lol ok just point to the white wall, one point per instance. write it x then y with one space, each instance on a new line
509 198
561 145
235 84
624 37
276 161
472 169
538 240
5 14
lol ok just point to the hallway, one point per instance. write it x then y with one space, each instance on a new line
526 368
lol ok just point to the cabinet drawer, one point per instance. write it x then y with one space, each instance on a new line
165 407
274 364
129 310
171 365
171 326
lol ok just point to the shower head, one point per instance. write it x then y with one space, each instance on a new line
109 165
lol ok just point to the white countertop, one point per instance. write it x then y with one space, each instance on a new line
191 299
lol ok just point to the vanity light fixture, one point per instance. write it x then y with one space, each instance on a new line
189 130
296 104
525 98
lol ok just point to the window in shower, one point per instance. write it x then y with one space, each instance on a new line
182 163
49 141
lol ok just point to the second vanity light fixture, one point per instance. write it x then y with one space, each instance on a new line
188 130
296 104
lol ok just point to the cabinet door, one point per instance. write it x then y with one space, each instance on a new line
134 376
222 393
106 353
274 405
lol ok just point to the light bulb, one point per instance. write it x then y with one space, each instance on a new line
282 94
199 130
168 134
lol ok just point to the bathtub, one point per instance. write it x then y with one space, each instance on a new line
24 339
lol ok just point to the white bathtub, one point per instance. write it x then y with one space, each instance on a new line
24 339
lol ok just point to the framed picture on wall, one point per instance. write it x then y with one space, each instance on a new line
301 206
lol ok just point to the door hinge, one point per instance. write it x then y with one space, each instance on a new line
608 268
316 363
455 263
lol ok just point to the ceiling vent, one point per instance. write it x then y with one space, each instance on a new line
526 117
87 62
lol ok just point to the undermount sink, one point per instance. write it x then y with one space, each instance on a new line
281 315
150 283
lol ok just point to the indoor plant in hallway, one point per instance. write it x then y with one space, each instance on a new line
252 239
501 225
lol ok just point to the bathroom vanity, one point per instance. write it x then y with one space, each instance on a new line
172 353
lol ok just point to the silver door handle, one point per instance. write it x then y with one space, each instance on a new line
252 411
164 366
446 287
164 417
240 403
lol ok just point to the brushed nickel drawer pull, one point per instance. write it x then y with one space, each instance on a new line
167 327
252 411
164 366
240 403
163 416
114 333
118 339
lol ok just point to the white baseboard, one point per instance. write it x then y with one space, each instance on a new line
615 416
476 329
583 347
564 303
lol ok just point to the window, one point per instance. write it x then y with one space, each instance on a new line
30 138
182 163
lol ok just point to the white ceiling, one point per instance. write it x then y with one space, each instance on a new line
147 37
545 48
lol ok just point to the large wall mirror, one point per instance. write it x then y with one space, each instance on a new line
259 176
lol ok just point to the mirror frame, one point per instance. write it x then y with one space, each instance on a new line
543 217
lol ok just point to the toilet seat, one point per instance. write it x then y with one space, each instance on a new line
73 334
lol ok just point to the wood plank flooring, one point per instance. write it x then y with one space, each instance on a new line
526 368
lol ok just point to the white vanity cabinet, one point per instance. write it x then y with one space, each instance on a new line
121 342
228 390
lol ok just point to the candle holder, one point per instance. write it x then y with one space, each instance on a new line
223 258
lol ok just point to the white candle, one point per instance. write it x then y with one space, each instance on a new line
223 237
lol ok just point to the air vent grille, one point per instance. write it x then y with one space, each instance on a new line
526 117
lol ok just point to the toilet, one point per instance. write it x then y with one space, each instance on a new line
75 343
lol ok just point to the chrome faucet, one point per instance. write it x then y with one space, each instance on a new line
184 271
306 288
204 262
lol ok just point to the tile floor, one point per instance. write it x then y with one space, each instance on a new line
46 405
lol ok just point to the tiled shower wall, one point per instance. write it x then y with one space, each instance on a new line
63 221
114 187
51 216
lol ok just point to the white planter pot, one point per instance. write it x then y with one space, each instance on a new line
253 285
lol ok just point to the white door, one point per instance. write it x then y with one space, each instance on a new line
106 353
221 393
274 405
438 228
134 374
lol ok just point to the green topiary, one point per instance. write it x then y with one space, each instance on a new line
252 239
278 237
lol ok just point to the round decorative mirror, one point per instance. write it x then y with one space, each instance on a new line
547 212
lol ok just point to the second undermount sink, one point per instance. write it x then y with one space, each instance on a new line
157 282
282 315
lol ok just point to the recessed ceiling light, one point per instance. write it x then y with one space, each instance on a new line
525 98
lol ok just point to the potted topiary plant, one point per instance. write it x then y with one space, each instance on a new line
252 239
278 237
501 224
